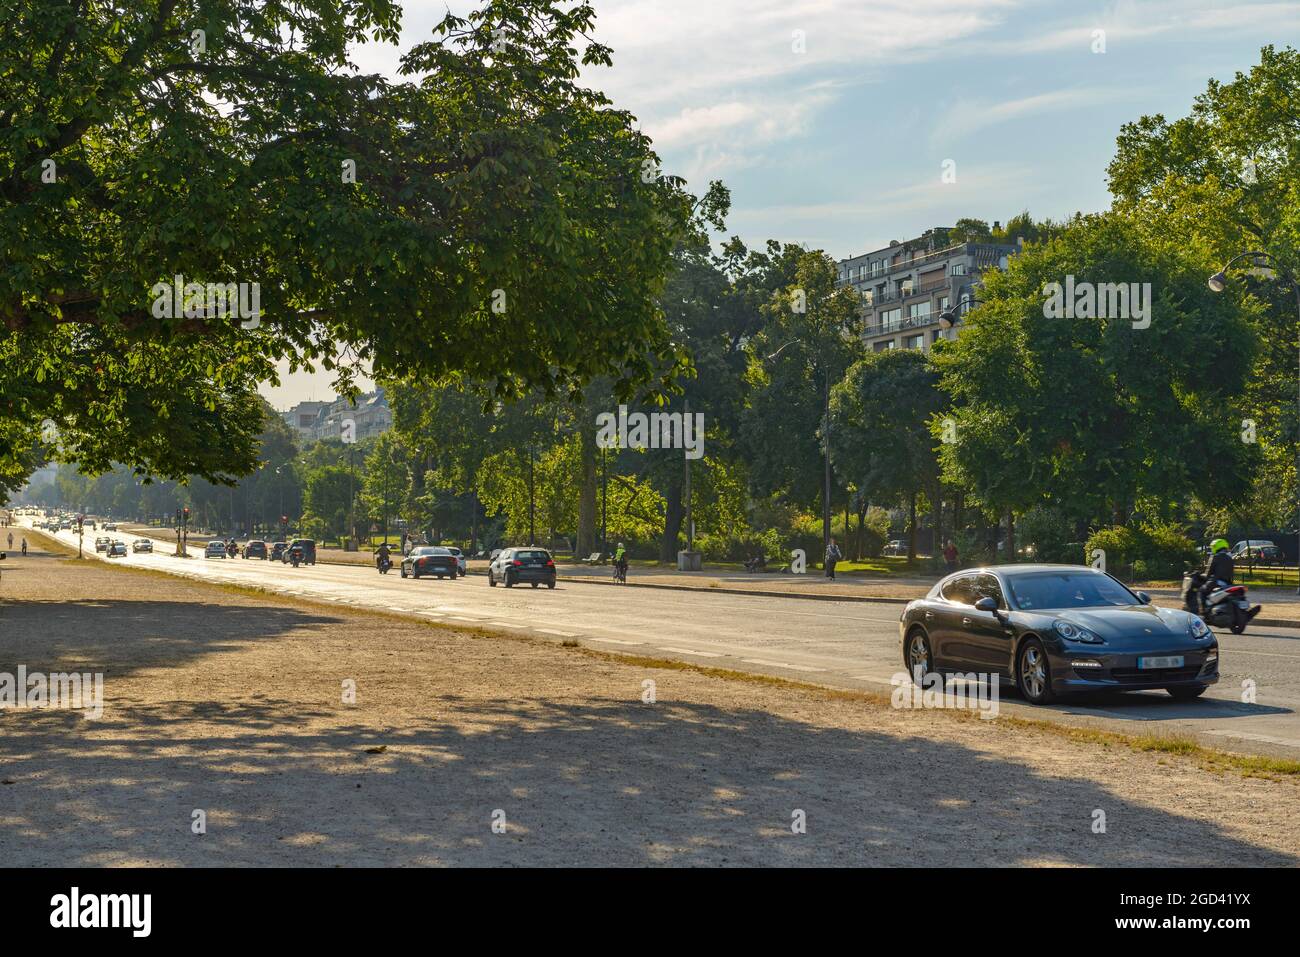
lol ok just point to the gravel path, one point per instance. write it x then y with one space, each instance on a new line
229 704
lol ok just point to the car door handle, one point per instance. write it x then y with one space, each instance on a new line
929 615
966 622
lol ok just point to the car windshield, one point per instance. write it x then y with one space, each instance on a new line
1042 590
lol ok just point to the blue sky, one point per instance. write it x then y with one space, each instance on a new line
830 120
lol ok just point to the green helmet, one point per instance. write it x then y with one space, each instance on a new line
1218 545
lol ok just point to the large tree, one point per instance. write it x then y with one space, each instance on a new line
1098 412
1225 179
486 215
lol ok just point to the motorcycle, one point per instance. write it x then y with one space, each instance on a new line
295 556
1226 606
384 563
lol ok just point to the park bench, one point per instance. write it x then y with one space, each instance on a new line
596 558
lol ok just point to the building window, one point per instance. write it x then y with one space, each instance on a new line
943 303
957 269
919 310
885 346
890 319
914 342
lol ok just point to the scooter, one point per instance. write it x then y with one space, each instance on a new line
385 563
1226 606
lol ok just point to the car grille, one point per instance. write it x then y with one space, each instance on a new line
1147 675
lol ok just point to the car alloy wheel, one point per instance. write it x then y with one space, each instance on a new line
918 654
1034 674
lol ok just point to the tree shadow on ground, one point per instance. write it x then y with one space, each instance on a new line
605 782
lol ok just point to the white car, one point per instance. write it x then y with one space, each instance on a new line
215 550
142 545
102 543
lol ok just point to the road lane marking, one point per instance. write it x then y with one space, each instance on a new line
779 664
552 631
617 641
690 651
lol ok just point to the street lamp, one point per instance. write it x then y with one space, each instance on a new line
1218 282
826 445
948 318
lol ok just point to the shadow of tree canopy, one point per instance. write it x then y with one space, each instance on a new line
602 783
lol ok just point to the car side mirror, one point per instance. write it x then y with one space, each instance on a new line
1144 598
987 604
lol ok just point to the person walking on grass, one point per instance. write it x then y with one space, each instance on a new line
950 556
833 555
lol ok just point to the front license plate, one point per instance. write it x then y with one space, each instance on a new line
1168 661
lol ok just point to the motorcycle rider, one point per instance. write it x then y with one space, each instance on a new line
1218 572
381 557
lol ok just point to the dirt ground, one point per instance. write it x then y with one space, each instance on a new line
220 702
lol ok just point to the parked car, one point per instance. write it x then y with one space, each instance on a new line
460 560
1257 550
516 565
117 548
306 549
1056 629
895 547
430 560
215 549
102 543
141 545
277 551
256 548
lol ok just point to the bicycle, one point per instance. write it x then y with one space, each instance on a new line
620 573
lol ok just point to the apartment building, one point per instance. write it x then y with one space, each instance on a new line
313 421
906 285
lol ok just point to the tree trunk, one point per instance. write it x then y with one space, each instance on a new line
586 543
911 530
862 521
1011 535
674 513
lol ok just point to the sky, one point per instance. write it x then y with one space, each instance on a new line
831 121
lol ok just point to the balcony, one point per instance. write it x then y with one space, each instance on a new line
886 328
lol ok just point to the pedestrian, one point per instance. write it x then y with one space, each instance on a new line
24 546
950 555
11 539
833 555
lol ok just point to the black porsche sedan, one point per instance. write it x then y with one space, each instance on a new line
1057 629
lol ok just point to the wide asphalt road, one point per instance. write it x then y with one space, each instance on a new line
849 644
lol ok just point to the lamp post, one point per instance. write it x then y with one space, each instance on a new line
948 318
1218 282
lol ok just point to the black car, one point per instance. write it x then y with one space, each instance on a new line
306 549
430 560
255 549
1057 629
515 565
277 551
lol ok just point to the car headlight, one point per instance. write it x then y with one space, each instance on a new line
1198 628
1072 632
